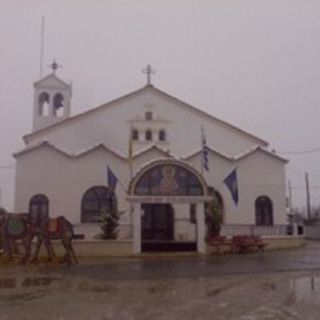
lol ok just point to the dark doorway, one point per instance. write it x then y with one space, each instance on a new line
157 222
157 232
264 211
39 208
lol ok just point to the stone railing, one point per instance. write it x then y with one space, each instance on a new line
230 230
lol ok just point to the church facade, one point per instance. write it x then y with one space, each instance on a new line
164 158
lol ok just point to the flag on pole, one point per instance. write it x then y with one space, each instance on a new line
231 182
112 179
130 152
204 151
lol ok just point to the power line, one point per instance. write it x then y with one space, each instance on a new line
6 167
303 188
300 171
300 152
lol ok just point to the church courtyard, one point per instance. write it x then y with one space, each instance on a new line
273 285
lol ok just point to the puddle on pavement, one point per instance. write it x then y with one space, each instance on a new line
13 282
306 288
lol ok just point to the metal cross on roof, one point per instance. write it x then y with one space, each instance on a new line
54 66
148 70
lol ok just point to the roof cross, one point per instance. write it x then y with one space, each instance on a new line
148 70
54 66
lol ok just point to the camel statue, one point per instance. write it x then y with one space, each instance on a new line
21 226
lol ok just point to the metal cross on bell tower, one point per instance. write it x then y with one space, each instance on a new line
148 71
54 66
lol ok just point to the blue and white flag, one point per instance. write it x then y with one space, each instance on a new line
231 182
112 179
204 151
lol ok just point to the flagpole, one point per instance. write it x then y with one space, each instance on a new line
130 152
201 161
122 186
204 152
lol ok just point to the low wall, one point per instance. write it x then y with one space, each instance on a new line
273 243
124 248
312 232
285 242
95 248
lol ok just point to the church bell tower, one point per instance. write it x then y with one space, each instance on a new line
52 98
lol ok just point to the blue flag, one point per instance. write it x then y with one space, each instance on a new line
231 182
204 151
112 179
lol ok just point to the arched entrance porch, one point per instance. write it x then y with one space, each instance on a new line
161 195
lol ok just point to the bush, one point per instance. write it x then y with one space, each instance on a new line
214 218
109 223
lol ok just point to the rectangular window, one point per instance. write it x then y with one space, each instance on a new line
135 135
148 116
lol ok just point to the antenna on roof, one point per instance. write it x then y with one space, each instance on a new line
42 46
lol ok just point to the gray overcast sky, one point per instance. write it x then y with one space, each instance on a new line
253 63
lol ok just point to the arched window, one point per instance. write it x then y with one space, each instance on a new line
43 104
39 208
58 103
135 134
264 211
148 135
95 201
148 116
162 135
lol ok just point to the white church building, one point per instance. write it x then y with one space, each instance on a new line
168 159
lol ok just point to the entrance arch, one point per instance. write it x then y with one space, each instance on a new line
154 192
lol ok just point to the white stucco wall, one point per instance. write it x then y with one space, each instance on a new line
109 125
65 178
259 174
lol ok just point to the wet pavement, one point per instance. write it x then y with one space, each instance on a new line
280 285
170 266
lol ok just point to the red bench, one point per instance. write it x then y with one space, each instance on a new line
219 242
246 243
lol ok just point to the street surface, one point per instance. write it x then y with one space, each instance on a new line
275 285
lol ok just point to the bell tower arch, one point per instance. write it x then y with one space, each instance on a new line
52 100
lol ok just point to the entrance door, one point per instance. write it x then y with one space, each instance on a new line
157 222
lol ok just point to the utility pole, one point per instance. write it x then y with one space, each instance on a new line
308 195
290 196
42 47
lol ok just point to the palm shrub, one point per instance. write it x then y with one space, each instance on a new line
214 217
109 223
